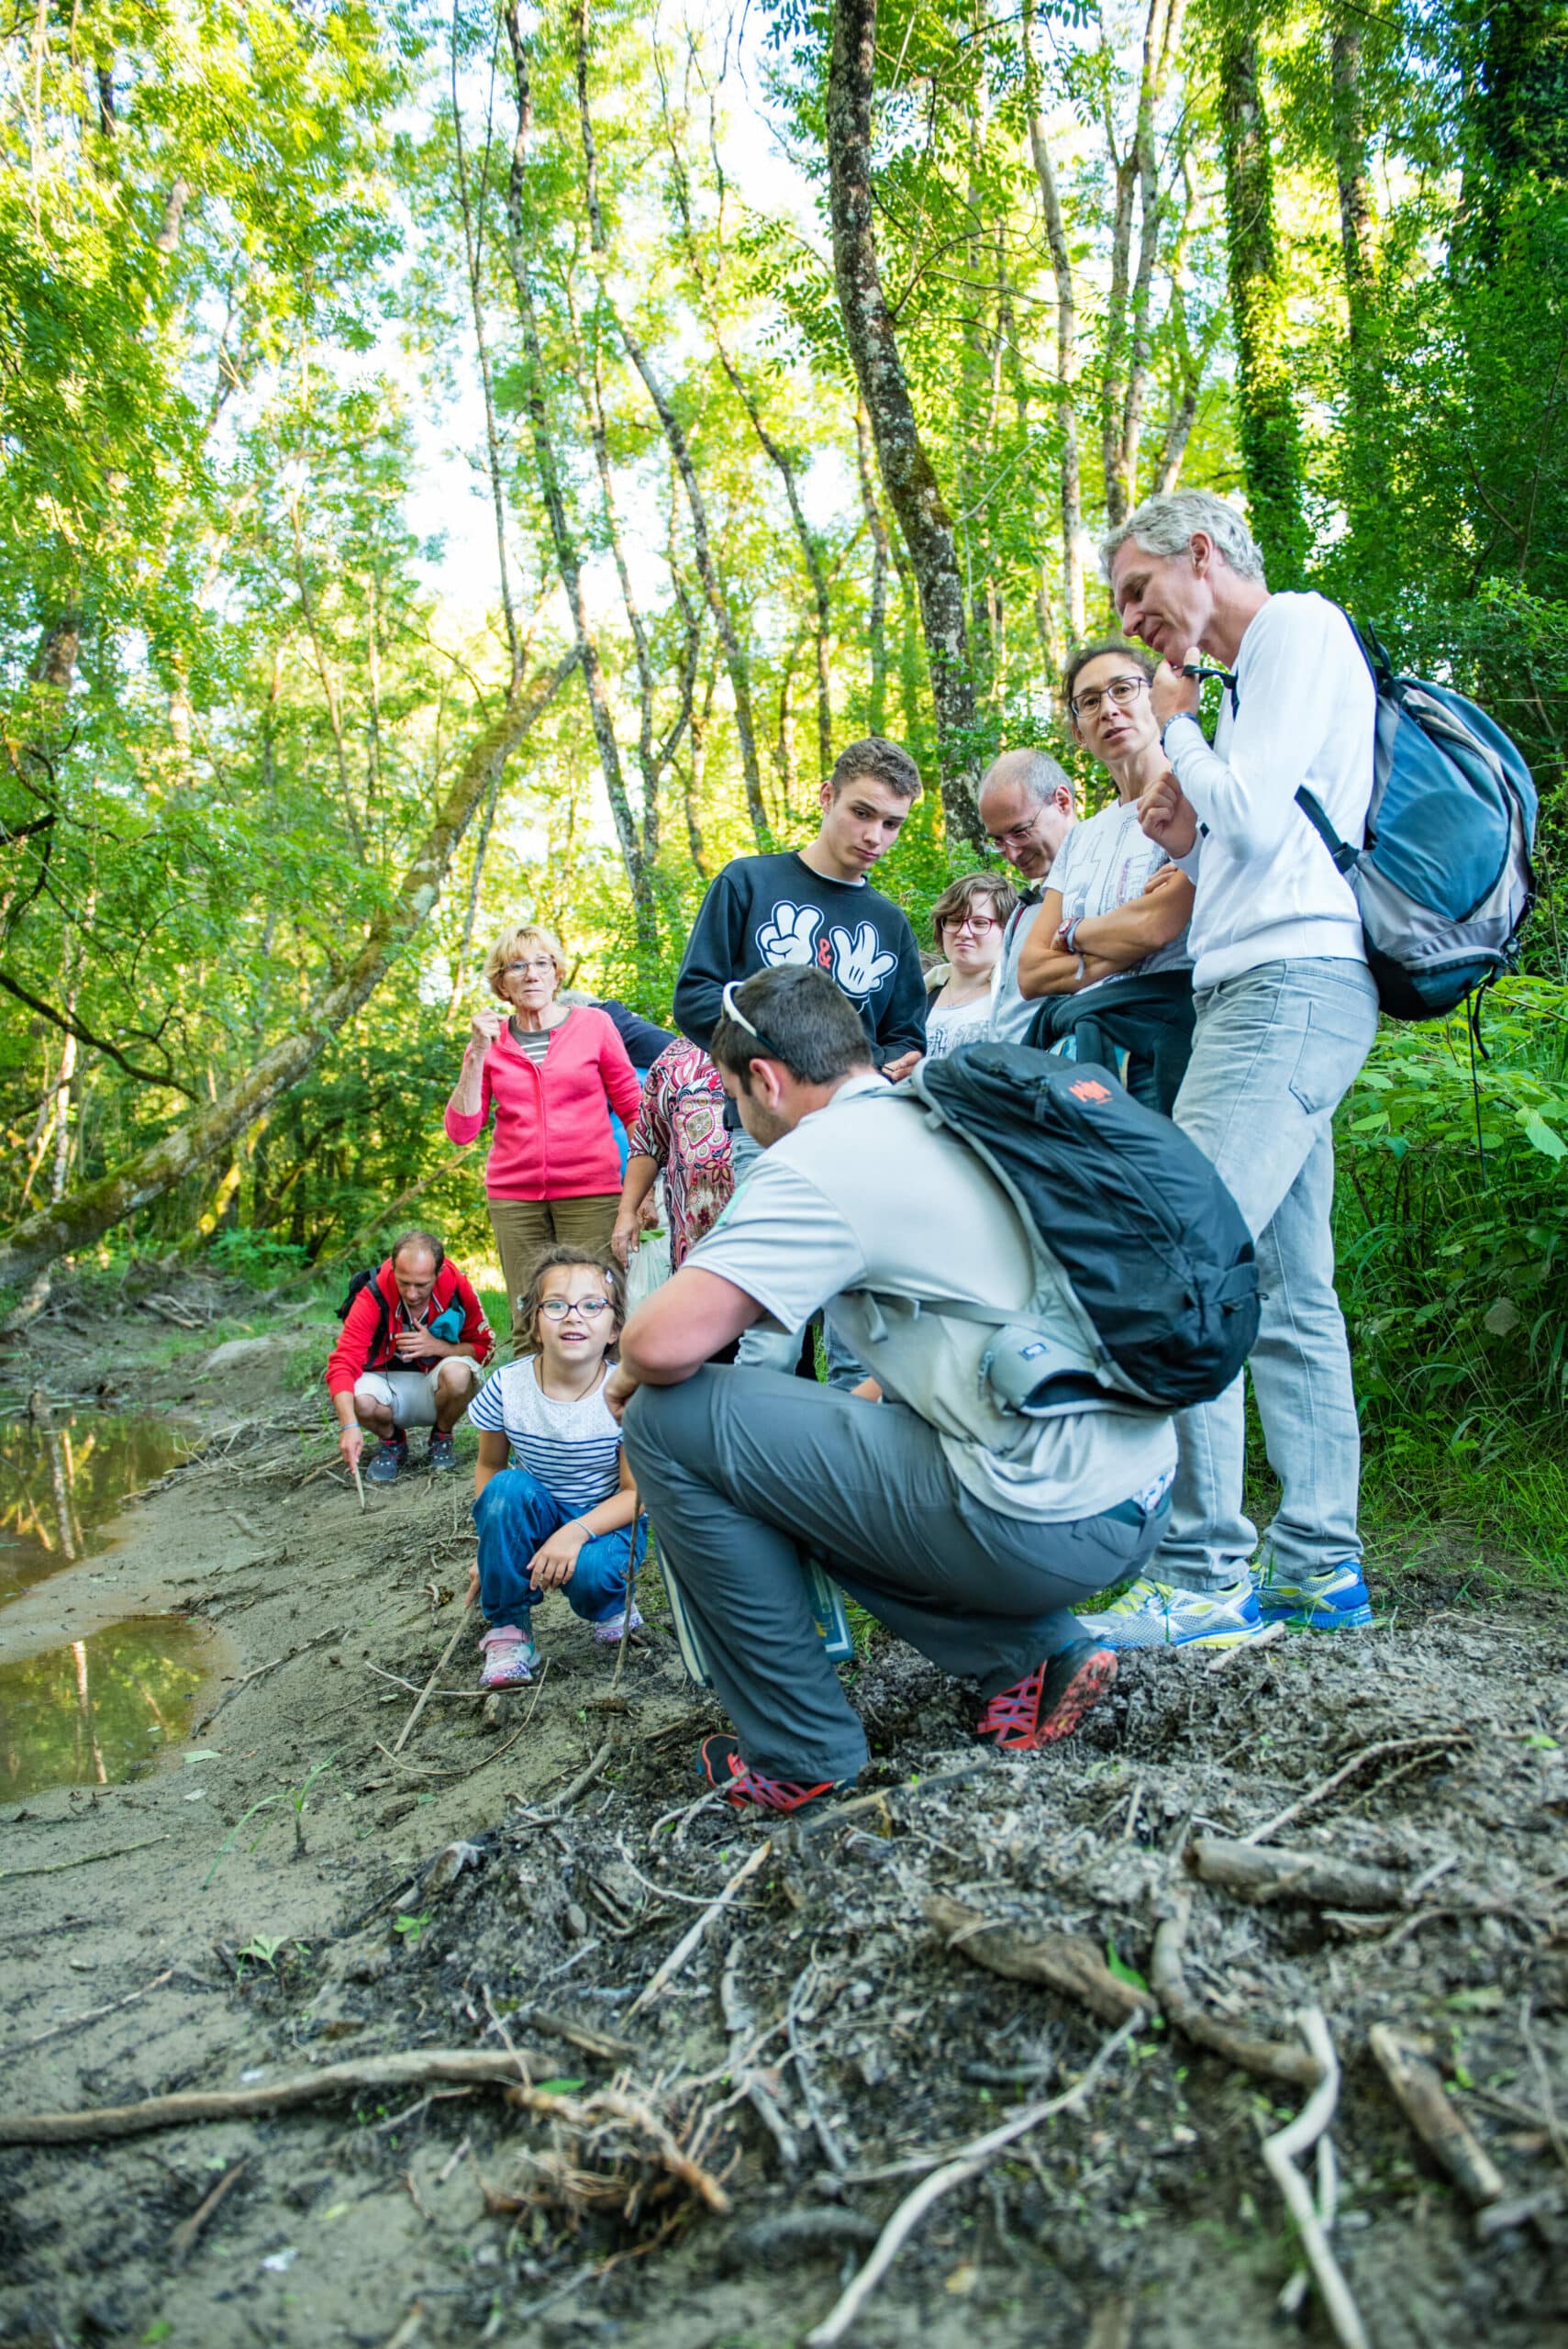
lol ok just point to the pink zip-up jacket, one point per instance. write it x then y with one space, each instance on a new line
552 1126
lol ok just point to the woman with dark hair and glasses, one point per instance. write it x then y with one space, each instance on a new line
967 923
1109 955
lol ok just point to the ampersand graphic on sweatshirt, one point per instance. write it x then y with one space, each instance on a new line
788 934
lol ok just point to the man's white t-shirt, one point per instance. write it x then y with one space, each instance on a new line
1304 712
896 1204
1105 861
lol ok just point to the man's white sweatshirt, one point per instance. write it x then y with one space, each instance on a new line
1304 712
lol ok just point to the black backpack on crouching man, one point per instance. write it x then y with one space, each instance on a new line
1115 1197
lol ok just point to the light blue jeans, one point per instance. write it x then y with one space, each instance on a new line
515 1514
1273 1052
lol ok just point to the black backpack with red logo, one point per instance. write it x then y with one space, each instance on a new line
1119 1200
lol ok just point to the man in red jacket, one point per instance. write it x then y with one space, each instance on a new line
407 1356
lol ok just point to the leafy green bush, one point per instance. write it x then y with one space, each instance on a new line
1452 1236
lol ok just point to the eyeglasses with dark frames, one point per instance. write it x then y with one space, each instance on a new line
1122 691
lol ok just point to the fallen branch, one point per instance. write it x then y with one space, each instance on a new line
1262 2057
1265 1639
689 1941
583 1780
322 1638
1422 2098
182 2242
471 2066
428 1688
1253 1875
1298 2136
1433 1742
85 1860
1060 1960
966 2165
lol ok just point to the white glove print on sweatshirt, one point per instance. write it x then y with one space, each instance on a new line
789 934
861 963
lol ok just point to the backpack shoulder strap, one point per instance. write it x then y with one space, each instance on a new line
1345 858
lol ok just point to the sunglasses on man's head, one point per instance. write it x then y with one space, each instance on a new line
732 1011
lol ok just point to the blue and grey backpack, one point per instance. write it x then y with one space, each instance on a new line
1444 881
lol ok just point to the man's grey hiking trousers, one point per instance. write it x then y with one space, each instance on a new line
743 1472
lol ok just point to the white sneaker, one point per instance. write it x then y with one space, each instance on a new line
1158 1615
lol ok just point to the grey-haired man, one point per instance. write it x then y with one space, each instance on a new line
1028 807
1286 1012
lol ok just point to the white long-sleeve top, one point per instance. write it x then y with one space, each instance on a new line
1304 712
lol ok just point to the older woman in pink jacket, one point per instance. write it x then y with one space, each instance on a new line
550 1072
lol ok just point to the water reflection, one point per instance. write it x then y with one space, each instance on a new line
61 1479
99 1709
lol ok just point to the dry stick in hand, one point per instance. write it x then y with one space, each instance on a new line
1424 2100
957 2172
1432 1740
358 1483
689 1941
1279 2155
429 1689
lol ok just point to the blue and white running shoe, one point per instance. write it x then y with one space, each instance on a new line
1335 1600
1151 1614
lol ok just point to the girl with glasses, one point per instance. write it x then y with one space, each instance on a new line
549 1072
552 1499
967 924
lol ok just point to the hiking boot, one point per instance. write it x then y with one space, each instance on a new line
442 1453
1335 1600
718 1760
385 1461
1151 1614
510 1657
1049 1703
614 1627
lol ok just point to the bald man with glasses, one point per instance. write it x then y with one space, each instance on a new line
1027 807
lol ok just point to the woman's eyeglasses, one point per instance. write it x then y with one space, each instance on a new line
526 969
556 1309
1123 691
976 923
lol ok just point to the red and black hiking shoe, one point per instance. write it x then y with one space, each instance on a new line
718 1760
1048 1702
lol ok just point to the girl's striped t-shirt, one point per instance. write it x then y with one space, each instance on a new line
573 1448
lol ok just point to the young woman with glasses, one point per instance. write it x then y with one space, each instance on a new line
550 1072
967 923
1109 954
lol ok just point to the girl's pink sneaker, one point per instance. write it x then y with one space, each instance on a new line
509 1657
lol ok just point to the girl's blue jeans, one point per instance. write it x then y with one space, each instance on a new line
514 1513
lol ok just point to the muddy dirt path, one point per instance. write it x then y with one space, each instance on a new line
263 1906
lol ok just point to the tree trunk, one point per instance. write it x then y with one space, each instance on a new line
901 457
568 558
1071 489
735 659
880 553
84 1215
1269 431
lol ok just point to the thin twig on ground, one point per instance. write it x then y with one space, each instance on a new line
968 2164
689 1941
1298 2136
1432 1740
95 2014
84 1860
1266 1639
584 1778
182 2240
430 1686
471 2066
1447 2136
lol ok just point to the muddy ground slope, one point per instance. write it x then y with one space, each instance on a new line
703 2159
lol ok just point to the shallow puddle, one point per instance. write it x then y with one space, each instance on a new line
100 1709
59 1481
96 1710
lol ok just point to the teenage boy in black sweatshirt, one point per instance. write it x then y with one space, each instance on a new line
815 906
